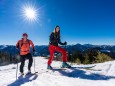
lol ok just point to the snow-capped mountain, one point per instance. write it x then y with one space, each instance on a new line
43 50
3 46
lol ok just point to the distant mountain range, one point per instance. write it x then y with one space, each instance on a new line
43 49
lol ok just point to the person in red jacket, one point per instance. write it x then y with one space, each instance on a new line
24 46
53 46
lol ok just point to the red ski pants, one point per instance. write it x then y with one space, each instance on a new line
52 49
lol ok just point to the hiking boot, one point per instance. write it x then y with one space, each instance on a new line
21 74
65 65
29 72
49 67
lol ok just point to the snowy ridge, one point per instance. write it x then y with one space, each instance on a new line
3 46
102 74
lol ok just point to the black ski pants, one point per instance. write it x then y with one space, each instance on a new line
23 58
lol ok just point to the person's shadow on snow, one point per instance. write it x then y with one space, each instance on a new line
78 73
21 80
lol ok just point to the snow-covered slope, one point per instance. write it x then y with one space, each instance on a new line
102 74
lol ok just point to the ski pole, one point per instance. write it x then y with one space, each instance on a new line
17 57
71 58
16 69
34 64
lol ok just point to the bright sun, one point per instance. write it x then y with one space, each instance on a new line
30 13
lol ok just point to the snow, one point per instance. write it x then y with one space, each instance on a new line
101 74
3 46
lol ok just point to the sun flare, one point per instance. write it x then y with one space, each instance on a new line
30 13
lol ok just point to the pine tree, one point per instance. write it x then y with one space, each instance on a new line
86 61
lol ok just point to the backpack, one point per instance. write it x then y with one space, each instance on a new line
22 43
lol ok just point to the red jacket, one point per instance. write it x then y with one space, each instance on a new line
24 46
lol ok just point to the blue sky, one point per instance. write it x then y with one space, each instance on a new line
81 21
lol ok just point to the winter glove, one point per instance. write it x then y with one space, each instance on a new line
17 51
34 50
65 43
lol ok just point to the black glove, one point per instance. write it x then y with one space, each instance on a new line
34 50
17 51
65 43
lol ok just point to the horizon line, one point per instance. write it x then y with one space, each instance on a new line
66 45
